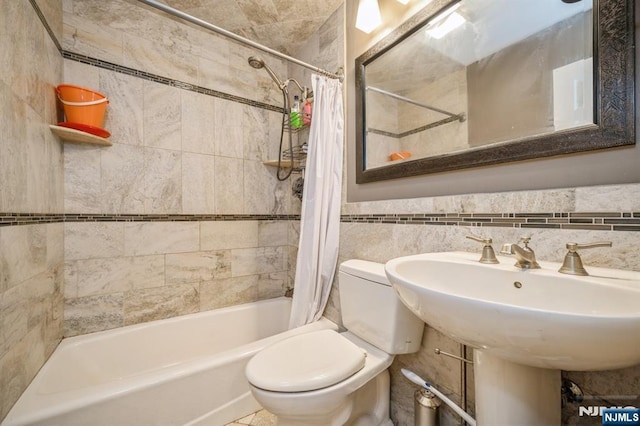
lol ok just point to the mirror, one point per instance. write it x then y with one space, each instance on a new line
471 83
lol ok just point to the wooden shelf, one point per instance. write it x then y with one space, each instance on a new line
297 164
76 136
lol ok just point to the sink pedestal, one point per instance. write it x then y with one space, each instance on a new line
513 394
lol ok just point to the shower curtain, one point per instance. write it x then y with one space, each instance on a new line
320 216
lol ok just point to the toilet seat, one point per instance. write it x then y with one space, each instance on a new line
305 362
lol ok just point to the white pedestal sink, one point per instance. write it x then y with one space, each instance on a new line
524 326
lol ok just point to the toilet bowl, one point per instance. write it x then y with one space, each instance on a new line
325 392
330 378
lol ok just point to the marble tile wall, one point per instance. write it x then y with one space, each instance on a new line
176 151
142 38
31 176
121 273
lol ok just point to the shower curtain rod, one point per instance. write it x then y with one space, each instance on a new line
460 117
204 24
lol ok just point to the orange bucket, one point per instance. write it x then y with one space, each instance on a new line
82 105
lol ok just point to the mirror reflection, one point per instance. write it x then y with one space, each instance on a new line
480 73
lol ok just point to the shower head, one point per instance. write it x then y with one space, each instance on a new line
257 63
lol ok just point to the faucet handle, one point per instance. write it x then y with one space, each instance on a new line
488 255
479 239
572 247
573 263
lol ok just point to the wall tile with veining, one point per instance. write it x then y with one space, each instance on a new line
93 313
35 35
272 285
229 120
55 248
53 175
263 193
198 183
37 185
217 235
14 325
161 302
273 233
608 198
12 43
229 178
185 268
213 75
118 274
198 122
88 240
52 11
80 74
124 117
229 141
212 47
24 253
228 292
260 260
38 294
162 181
517 201
70 280
82 180
89 38
162 116
13 153
20 365
256 134
122 189
160 238
159 59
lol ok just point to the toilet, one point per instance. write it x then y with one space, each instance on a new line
331 378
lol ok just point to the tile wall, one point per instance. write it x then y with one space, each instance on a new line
31 183
121 273
191 124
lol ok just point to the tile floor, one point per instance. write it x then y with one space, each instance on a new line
261 418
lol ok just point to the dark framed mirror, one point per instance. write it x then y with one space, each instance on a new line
470 83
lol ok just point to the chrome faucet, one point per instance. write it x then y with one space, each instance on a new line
525 257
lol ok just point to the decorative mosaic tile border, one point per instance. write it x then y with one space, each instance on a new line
13 219
597 221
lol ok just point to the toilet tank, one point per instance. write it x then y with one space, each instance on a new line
372 311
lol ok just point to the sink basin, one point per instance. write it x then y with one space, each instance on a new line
538 318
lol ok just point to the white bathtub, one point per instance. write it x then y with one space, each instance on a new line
178 371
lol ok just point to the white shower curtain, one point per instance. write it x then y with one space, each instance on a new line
320 217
